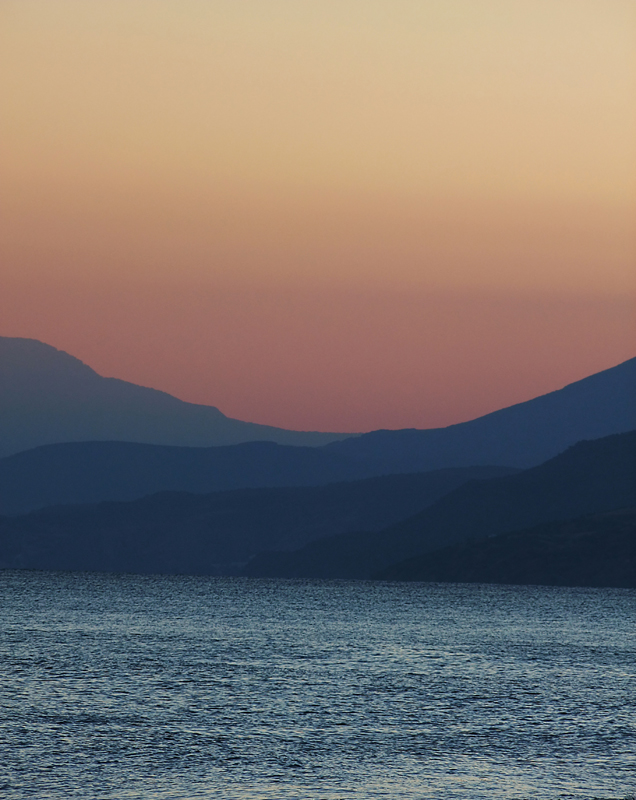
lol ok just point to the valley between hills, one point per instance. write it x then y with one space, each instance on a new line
101 475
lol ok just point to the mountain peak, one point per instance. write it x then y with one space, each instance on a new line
48 396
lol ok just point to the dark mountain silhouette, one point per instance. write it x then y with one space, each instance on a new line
49 396
89 472
596 550
522 435
590 477
176 532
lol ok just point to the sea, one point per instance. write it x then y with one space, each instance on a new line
175 687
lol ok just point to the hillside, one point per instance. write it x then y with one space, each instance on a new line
89 472
523 435
213 533
595 550
590 477
48 396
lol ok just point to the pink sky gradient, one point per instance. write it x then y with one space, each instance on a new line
323 215
331 359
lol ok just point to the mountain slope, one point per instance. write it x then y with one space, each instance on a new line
522 435
596 550
90 472
587 478
49 396
210 534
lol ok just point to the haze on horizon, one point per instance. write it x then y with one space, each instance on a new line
332 215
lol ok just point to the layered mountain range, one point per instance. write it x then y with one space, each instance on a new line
100 474
219 532
388 527
48 396
590 477
72 436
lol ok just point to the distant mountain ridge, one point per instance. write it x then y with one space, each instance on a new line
48 396
90 472
522 435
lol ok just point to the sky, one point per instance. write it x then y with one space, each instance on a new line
323 214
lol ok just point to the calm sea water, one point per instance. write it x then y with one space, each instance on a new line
173 687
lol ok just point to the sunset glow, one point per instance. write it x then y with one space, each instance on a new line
336 215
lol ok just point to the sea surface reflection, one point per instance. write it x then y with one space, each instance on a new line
175 687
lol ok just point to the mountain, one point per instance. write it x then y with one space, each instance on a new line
177 532
373 522
594 550
89 472
523 435
46 395
590 477
49 396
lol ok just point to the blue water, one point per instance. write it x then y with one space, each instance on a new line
174 687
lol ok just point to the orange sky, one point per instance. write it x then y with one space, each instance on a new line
333 214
